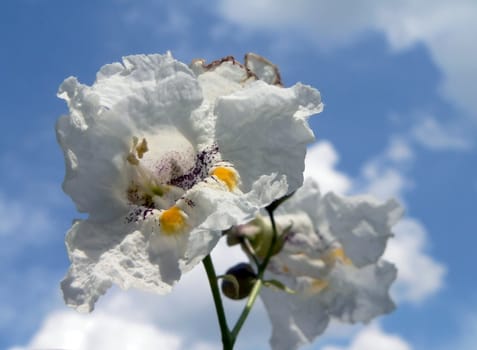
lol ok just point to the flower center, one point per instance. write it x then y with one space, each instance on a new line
155 160
165 155
162 168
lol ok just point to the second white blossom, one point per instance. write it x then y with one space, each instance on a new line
329 255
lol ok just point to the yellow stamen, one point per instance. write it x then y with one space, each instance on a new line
227 175
336 254
316 286
172 220
131 158
135 141
142 148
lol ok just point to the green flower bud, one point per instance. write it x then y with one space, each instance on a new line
259 233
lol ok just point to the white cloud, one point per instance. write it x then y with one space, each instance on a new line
374 338
134 320
399 151
431 134
384 183
320 162
419 276
184 319
325 23
444 27
20 216
99 331
384 175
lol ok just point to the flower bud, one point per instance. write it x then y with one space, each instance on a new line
259 233
238 281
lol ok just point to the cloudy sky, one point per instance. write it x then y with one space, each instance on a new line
398 80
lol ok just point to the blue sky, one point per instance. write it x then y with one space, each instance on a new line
397 81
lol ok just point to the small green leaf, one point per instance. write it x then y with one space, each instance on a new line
278 285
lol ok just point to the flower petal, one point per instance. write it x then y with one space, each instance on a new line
359 295
307 199
296 318
130 256
361 224
215 208
273 130
348 294
263 69
221 77
105 254
126 100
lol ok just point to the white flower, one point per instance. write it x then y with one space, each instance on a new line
163 157
330 258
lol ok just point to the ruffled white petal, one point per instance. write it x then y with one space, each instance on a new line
147 92
350 295
90 154
306 200
130 256
360 294
271 119
216 209
105 254
296 319
163 84
270 140
263 69
361 224
221 78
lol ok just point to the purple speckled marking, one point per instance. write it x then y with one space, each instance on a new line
169 166
138 213
189 202
203 162
144 206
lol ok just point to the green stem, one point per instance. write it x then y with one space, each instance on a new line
227 339
248 307
271 248
259 283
